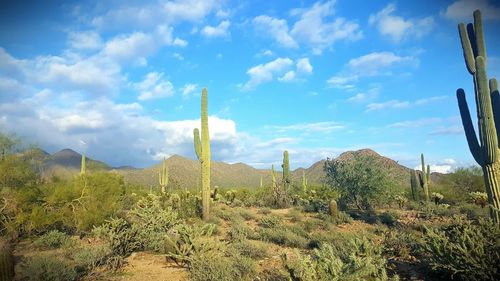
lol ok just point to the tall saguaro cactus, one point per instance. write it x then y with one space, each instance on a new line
202 148
286 170
486 151
413 185
425 178
82 167
304 181
163 177
273 175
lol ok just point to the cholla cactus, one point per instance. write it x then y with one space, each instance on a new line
401 200
479 198
437 197
175 201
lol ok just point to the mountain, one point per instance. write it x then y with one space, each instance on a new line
185 173
67 162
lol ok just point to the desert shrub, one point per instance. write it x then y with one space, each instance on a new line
312 224
185 241
274 274
264 211
44 267
238 231
473 211
52 239
294 215
401 243
217 266
271 221
282 236
341 218
248 249
479 198
151 222
190 205
90 257
464 249
364 262
120 235
388 218
247 215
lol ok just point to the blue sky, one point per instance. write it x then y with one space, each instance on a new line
121 81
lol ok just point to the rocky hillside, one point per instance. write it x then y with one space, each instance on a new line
185 173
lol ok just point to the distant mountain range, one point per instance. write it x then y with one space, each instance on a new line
185 173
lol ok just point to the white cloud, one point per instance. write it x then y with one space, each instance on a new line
124 47
314 27
308 128
398 28
265 72
189 89
453 130
397 104
87 40
156 13
276 28
180 42
414 123
462 10
154 86
372 64
220 30
289 76
304 66
365 96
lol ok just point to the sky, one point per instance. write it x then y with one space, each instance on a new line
121 80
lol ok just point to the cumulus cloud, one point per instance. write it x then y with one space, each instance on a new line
86 40
281 68
461 10
221 30
397 104
314 27
398 28
154 86
189 89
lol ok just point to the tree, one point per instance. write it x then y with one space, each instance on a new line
359 179
468 179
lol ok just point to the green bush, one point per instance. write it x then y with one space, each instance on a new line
44 267
212 267
464 249
52 240
248 249
90 257
283 237
185 241
264 211
364 262
238 231
120 235
271 221
151 222
389 218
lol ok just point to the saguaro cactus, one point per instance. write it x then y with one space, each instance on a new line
6 261
286 170
414 184
273 175
202 148
82 167
304 181
261 183
486 151
163 177
425 178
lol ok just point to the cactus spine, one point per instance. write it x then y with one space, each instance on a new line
82 167
425 178
202 148
273 176
414 184
6 261
163 177
304 181
485 152
286 170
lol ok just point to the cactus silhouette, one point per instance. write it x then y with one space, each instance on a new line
425 178
202 149
286 170
163 177
485 151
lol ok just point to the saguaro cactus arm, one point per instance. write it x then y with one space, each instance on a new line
197 143
470 134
